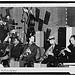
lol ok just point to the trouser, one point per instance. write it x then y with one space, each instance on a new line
50 61
63 59
28 62
5 63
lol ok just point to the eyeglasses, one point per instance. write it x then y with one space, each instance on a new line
51 39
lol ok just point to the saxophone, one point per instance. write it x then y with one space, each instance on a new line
49 50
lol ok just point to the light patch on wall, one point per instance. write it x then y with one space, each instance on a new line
44 27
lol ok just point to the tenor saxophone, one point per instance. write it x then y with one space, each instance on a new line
45 54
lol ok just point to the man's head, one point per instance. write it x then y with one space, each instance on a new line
15 41
72 39
52 40
13 33
31 39
8 17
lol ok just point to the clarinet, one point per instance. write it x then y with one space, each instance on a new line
45 55
42 58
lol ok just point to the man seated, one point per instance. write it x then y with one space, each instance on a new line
5 58
70 50
13 47
51 55
4 54
12 51
17 49
2 49
29 53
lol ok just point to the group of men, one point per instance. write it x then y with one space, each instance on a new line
14 49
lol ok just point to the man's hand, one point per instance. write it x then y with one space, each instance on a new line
4 58
62 52
21 56
50 53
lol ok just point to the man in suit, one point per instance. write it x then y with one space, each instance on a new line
30 52
69 51
51 54
17 49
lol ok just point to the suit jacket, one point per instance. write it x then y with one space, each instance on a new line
16 51
56 51
72 54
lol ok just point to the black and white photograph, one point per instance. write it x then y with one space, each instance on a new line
33 36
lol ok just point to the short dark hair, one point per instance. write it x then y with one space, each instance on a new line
72 36
7 15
